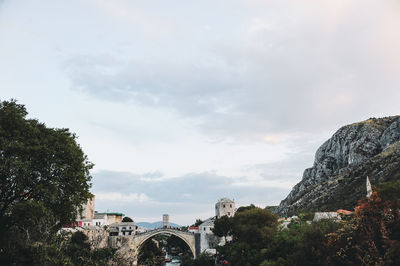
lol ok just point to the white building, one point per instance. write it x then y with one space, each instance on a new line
318 216
206 234
140 230
123 229
193 229
100 219
225 206
207 226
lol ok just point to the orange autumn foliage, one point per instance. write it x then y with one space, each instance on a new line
371 237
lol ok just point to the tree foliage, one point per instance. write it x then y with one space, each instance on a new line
44 178
40 164
254 226
198 222
223 226
127 219
251 228
149 253
202 260
372 236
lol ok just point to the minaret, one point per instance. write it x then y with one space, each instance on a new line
369 188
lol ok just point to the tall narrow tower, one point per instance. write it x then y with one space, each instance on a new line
165 220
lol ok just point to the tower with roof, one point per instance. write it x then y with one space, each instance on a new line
226 207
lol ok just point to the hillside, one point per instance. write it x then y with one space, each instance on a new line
154 225
338 176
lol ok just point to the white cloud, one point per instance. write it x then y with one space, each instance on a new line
239 93
115 196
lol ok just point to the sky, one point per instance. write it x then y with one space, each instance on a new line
181 103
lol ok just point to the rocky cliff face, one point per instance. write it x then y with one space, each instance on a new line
337 179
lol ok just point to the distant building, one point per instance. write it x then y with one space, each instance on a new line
106 218
318 216
123 229
86 211
193 229
165 220
100 219
207 226
114 217
207 238
140 230
224 207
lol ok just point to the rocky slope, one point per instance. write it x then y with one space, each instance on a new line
337 179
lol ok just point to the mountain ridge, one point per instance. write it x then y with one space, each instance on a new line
155 225
337 178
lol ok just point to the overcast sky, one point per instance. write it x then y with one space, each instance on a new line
180 103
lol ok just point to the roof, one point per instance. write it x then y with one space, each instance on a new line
208 222
112 213
127 223
345 212
123 224
99 215
226 200
113 229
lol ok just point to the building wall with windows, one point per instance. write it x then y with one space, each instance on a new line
165 220
226 207
123 229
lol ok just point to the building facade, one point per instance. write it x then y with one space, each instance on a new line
165 220
87 210
224 207
123 229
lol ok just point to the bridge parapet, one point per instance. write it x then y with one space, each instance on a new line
166 230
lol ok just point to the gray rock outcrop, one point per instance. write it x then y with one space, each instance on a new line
337 178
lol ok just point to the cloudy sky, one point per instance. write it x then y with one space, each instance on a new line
179 103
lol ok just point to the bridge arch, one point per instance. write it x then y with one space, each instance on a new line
188 238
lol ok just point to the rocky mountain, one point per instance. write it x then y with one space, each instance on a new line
337 178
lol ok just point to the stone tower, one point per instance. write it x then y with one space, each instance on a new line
223 207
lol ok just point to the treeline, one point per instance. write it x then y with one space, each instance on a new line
44 178
370 236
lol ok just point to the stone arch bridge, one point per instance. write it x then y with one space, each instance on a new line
130 245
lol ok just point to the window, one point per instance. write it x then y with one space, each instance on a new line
224 205
204 229
229 213
230 205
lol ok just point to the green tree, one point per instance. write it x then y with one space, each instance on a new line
79 252
245 208
149 253
198 222
254 226
44 177
223 226
252 229
127 219
202 260
372 236
300 244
